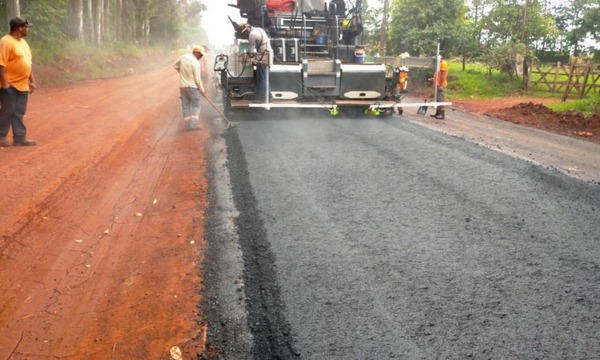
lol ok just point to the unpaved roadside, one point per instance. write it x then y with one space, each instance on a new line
101 224
574 157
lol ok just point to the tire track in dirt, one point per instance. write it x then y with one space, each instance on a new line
80 274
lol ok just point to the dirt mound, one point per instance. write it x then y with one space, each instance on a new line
570 123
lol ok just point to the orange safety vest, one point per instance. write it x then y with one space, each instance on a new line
443 74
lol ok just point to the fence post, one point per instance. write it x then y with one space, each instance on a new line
588 68
555 85
568 87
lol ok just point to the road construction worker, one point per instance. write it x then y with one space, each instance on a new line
441 77
17 82
190 86
260 53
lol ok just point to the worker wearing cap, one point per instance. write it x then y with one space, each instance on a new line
260 52
16 82
190 86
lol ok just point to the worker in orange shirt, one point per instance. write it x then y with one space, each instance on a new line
16 83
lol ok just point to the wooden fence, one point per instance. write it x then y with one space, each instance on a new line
570 79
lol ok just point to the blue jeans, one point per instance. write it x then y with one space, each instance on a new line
13 106
190 103
261 81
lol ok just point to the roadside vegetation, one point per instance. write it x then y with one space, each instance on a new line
489 37
79 62
75 40
475 82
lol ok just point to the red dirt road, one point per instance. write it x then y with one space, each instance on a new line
101 224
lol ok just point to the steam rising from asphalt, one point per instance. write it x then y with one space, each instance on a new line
282 114
216 24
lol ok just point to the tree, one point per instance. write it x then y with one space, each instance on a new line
502 57
75 30
513 21
418 26
466 41
577 21
99 22
372 18
49 18
383 33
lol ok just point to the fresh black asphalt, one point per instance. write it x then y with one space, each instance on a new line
375 238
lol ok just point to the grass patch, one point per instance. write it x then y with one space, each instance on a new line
475 83
587 106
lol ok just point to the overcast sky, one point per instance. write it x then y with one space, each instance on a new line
221 32
215 21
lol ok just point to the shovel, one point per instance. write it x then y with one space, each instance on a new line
422 109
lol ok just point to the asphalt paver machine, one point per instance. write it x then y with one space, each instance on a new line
317 60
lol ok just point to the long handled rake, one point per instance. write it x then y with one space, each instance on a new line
229 123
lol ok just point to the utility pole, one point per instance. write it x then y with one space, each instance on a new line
383 31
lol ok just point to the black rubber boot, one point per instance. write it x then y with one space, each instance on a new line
437 112
441 115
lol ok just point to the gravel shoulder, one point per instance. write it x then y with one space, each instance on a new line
578 158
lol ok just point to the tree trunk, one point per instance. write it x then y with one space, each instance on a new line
13 9
383 30
89 21
76 19
106 25
145 31
129 21
98 19
119 20
526 73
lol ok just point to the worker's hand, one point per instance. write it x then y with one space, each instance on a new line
32 87
202 91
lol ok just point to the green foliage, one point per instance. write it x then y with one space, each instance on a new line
586 106
418 26
465 43
372 18
576 21
503 57
512 21
475 82
47 17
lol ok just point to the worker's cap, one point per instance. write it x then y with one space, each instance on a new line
199 49
18 22
404 68
246 28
